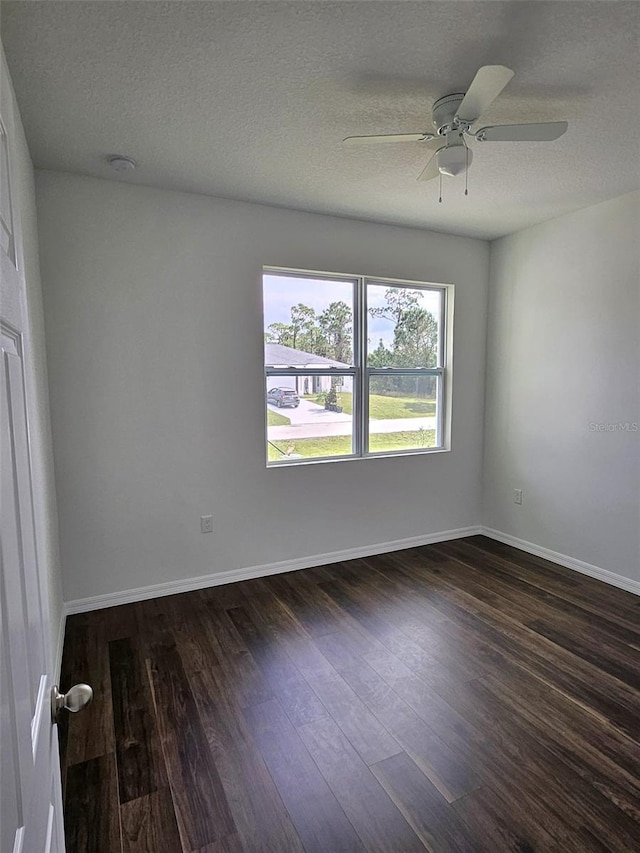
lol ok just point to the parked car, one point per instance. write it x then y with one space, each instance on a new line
282 397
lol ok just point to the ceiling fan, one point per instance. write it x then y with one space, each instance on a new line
453 117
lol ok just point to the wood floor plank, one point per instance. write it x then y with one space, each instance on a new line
86 659
433 819
317 815
262 821
230 844
365 731
216 644
558 601
149 824
578 740
417 634
504 826
559 713
486 588
564 670
576 630
424 623
452 772
119 623
91 820
235 658
557 710
609 656
378 822
202 810
314 614
540 605
610 602
420 695
605 825
372 619
134 724
574 812
296 696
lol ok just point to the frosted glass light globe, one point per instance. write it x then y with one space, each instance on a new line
453 160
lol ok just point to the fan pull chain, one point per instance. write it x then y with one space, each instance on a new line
466 174
440 199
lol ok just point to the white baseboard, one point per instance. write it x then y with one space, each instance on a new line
111 599
563 560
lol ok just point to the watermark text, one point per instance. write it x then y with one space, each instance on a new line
617 426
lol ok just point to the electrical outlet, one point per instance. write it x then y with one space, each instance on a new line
517 496
206 524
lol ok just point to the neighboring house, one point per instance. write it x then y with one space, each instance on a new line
278 355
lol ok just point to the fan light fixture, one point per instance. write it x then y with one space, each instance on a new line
453 160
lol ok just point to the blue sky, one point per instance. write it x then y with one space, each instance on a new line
281 292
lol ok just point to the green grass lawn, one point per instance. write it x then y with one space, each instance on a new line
385 408
340 445
276 419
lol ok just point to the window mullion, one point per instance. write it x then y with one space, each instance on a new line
363 423
440 411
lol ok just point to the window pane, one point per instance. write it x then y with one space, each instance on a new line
403 412
309 417
307 321
403 326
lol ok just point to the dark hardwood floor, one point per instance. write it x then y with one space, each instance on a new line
464 696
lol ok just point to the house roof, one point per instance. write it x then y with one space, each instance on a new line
278 355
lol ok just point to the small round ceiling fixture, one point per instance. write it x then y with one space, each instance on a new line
121 164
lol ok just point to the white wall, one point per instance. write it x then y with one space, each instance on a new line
154 331
563 354
46 518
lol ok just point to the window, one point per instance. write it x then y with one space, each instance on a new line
354 366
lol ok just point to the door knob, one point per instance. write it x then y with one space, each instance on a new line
73 700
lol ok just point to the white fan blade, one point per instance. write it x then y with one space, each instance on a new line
431 170
542 132
389 137
489 81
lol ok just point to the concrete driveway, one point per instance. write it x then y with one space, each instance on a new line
310 414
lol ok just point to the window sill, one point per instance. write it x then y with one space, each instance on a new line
298 462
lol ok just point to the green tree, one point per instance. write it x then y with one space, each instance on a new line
279 333
336 326
415 339
381 356
398 300
415 345
303 327
415 342
328 334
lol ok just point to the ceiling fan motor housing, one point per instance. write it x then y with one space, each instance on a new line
444 111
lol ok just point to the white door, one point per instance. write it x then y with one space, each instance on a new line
31 805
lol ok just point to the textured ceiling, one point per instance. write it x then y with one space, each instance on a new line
250 100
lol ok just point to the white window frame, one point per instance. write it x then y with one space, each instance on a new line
361 373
